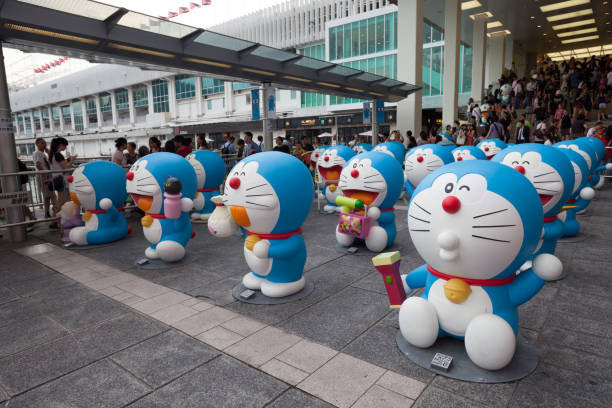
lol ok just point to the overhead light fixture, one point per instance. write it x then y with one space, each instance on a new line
563 4
328 84
294 78
354 90
207 62
574 24
139 50
487 13
539 26
506 32
577 32
258 71
467 5
376 94
532 17
573 14
494 24
48 33
579 39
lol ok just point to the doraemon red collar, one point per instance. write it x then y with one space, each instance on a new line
475 282
102 211
283 235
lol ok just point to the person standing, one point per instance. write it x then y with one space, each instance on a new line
260 143
154 145
57 161
182 145
251 146
131 156
118 156
45 185
522 133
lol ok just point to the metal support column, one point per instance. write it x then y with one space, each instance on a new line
267 123
8 157
374 116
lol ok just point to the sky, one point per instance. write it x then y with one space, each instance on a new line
206 16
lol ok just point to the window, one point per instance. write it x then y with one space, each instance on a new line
105 102
355 38
293 94
121 99
91 106
28 124
45 114
212 86
347 41
466 69
160 96
209 104
277 95
77 112
66 112
247 99
380 33
332 43
141 97
371 35
55 112
185 86
243 85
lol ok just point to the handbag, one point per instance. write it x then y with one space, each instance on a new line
354 224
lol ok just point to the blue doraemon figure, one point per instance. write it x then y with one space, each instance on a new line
377 180
270 195
99 187
587 152
210 171
330 166
468 153
422 160
552 175
166 222
362 148
571 226
491 147
458 213
392 148
596 181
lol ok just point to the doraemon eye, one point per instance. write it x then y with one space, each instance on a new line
449 188
471 187
355 165
444 185
525 163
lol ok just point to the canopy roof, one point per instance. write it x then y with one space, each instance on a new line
102 33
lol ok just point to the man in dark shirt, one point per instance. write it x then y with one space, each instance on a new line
280 146
251 146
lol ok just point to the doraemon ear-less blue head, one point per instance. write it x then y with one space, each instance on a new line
392 148
424 159
374 178
362 148
468 153
209 168
548 169
464 210
583 148
491 147
596 144
581 171
93 181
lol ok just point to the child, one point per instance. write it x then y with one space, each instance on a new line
70 219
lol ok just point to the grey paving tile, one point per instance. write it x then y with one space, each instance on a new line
434 397
532 315
164 357
18 310
43 283
576 360
25 334
490 395
117 334
101 384
527 396
339 319
32 367
6 295
579 324
378 346
590 307
222 382
295 398
379 397
219 292
597 345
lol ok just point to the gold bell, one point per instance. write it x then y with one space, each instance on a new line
456 290
251 241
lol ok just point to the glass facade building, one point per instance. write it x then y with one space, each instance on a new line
105 102
160 96
122 98
185 86
310 99
77 112
91 106
212 86
141 97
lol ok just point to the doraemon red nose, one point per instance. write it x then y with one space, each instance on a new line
459 158
70 179
486 149
129 175
451 204
354 173
326 158
419 158
234 183
520 169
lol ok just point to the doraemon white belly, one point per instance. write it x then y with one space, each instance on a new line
92 223
260 266
153 233
455 317
331 195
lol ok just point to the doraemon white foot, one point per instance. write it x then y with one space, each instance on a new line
78 235
490 342
170 251
151 253
270 195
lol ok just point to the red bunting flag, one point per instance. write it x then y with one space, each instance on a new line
172 14
206 2
193 5
183 10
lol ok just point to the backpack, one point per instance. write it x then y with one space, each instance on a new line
225 148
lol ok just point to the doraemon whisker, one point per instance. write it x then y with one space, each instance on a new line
546 189
419 230
422 208
493 226
490 239
373 175
544 174
257 195
548 181
491 213
420 219
262 205
261 185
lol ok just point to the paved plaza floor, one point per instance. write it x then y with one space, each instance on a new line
89 328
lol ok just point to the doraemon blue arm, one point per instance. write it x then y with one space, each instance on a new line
376 179
210 171
330 166
99 187
392 148
552 175
457 214
491 147
167 235
270 194
468 153
422 160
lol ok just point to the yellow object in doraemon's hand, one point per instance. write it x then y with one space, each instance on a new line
87 216
456 290
251 241
332 187
146 221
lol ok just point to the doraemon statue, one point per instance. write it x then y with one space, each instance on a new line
315 156
458 213
506 91
422 160
587 152
392 148
484 114
571 226
210 171
270 195
552 175
99 187
330 165
596 181
446 140
362 148
377 180
468 153
166 222
491 147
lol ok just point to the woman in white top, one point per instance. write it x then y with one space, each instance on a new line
59 162
118 157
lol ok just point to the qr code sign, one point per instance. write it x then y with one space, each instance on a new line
441 361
